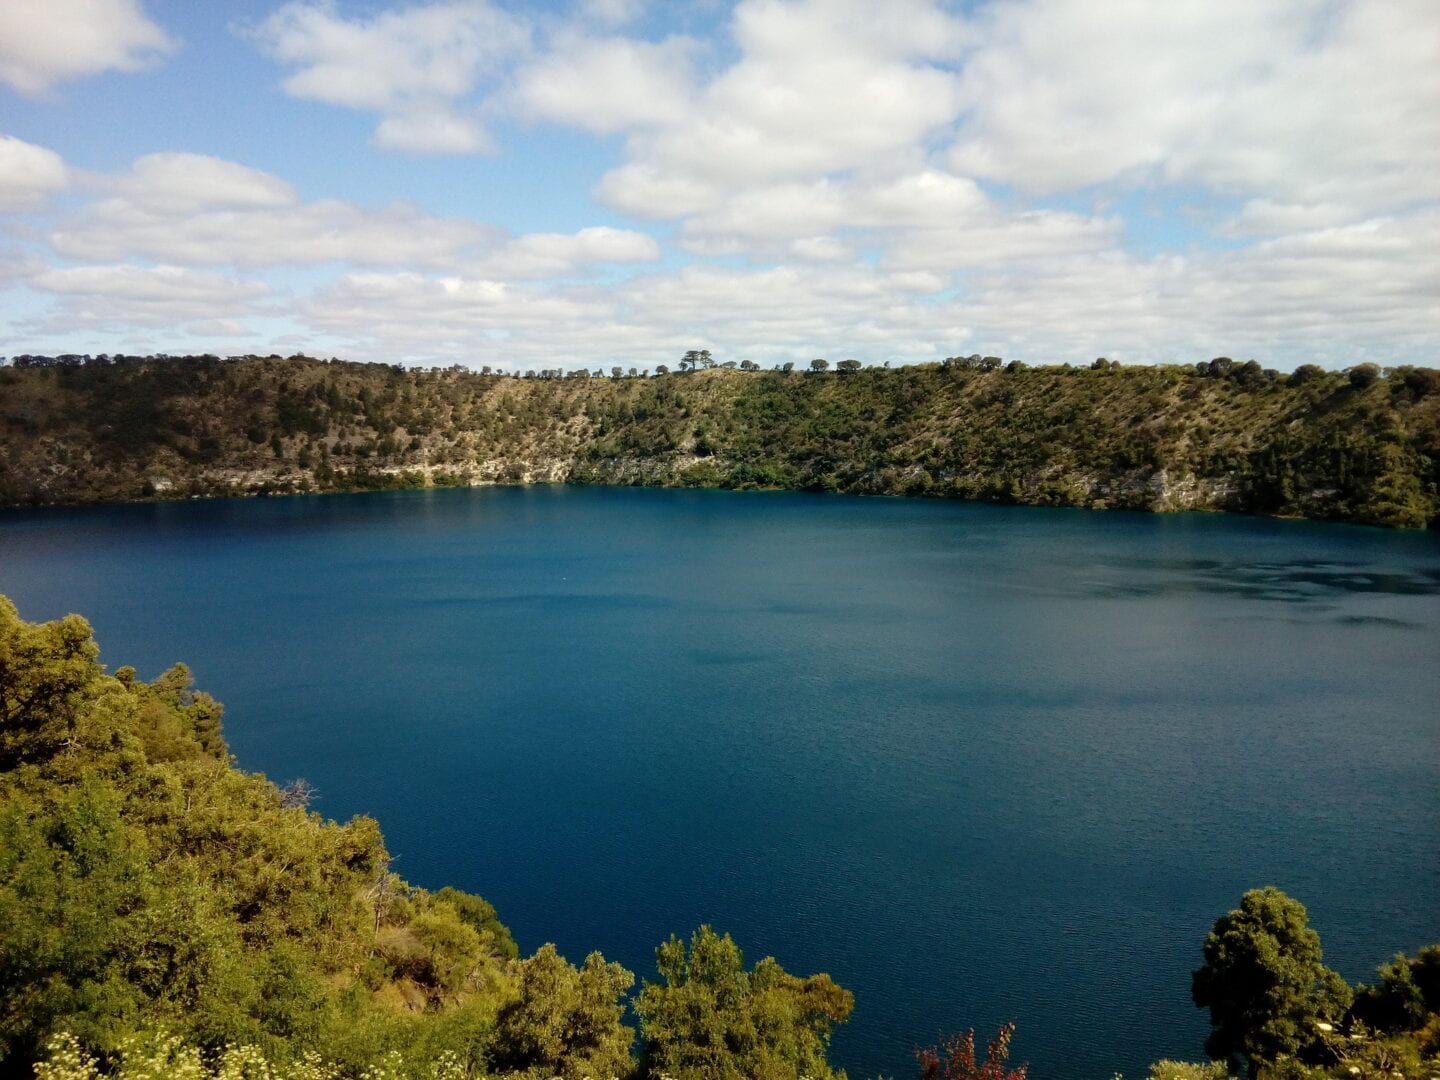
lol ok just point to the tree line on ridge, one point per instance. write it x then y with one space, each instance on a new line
1360 445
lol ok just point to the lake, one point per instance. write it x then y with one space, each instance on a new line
979 763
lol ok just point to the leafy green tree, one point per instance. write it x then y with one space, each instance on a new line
712 1020
71 875
480 914
566 1021
1408 991
1363 375
48 687
1264 983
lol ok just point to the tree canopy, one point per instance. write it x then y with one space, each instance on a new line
711 1019
1264 982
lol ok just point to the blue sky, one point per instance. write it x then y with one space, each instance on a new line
591 182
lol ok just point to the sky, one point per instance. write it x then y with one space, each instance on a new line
600 182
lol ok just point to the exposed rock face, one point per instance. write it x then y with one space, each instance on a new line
1169 491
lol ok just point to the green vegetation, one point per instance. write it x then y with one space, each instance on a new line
166 915
1278 1012
713 1020
159 904
1263 981
1361 445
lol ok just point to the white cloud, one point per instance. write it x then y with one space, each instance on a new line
1266 217
777 314
929 219
1338 296
219 328
432 130
411 315
410 65
607 85
889 182
1369 291
1024 237
550 255
180 182
122 296
44 42
328 230
197 210
189 209
1295 101
822 86
29 174
1349 113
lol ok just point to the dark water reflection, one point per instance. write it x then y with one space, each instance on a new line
979 763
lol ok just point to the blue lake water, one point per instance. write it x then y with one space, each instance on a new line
978 763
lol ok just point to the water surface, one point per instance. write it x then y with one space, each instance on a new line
978 763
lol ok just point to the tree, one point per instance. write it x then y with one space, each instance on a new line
847 367
1264 983
713 1020
955 1060
661 369
819 364
1409 991
566 1021
51 695
1363 375
1250 373
788 366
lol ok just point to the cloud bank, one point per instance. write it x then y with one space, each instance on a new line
1043 179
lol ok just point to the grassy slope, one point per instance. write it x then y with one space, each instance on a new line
1142 437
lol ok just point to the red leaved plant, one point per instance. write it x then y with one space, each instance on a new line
954 1059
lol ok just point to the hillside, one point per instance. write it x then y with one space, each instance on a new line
1361 446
